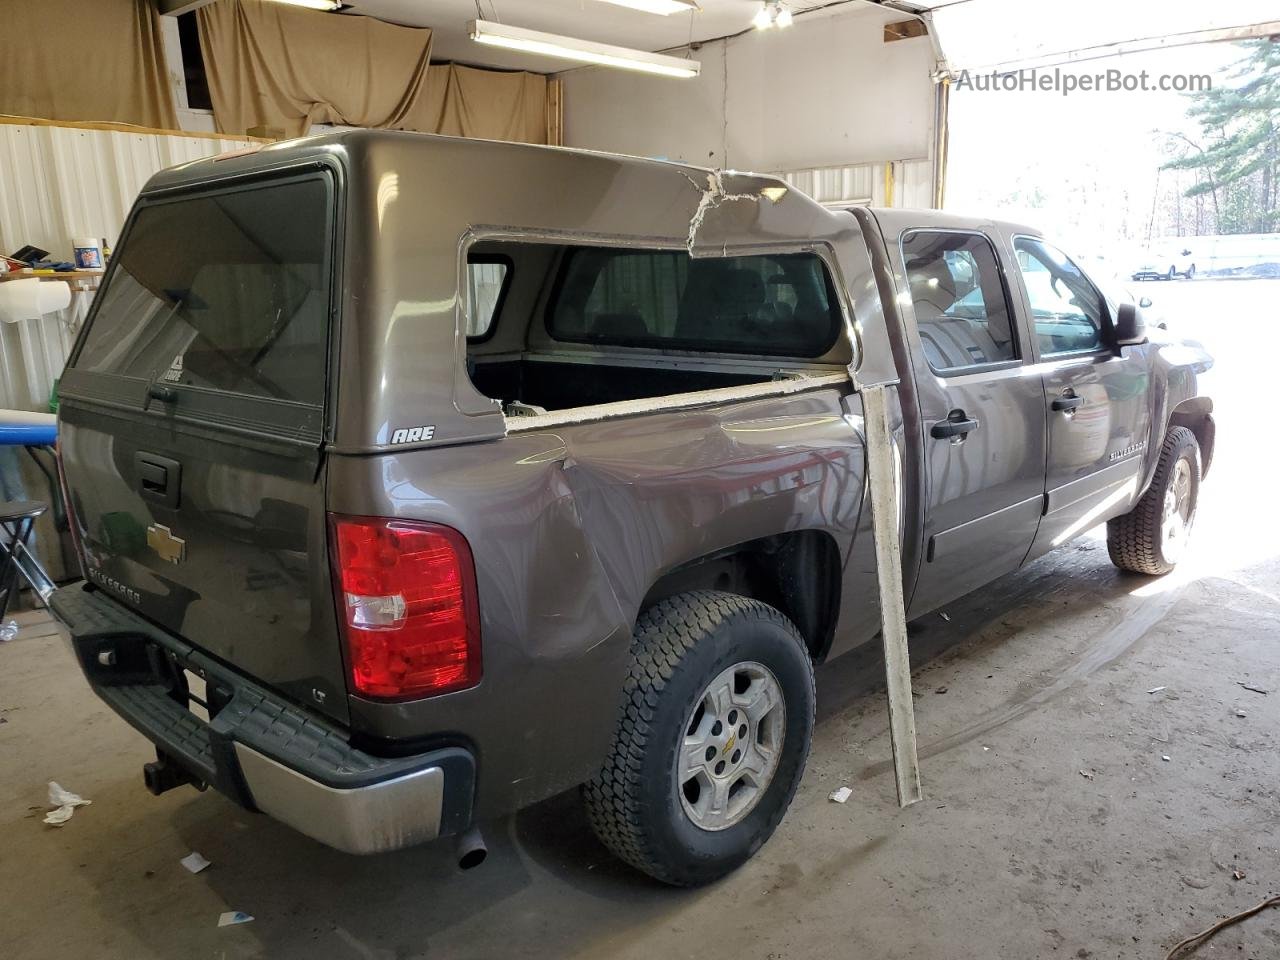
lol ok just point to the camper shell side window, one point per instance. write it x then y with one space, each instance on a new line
585 326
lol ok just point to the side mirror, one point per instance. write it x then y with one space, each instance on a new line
1129 326
1144 302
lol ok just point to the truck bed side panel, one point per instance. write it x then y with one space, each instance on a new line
569 529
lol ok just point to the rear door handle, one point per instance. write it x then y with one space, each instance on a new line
1068 401
956 425
158 391
159 478
152 476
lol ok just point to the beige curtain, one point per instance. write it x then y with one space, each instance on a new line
76 60
274 65
487 104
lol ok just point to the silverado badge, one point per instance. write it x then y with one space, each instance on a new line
1127 451
162 541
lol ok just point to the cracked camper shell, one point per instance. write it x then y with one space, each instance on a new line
415 203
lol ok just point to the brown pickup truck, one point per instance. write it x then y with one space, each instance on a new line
417 480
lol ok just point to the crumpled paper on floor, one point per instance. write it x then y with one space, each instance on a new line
66 803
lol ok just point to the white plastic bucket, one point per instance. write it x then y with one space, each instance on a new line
31 298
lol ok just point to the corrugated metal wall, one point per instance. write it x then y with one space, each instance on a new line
57 183
864 183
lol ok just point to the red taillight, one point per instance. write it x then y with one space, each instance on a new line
408 605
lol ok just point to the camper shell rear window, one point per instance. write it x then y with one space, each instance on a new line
225 291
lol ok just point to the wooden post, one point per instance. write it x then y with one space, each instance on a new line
883 489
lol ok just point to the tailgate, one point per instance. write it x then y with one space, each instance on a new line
192 427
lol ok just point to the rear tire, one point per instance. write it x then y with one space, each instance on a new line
712 737
1151 537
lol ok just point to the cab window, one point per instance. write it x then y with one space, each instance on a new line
1067 310
780 304
962 312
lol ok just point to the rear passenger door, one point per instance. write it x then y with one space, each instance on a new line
1098 397
983 417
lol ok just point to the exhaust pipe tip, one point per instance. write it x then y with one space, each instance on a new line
470 849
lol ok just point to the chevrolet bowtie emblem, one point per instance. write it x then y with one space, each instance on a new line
162 541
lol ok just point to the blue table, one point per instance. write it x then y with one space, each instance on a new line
19 428
30 435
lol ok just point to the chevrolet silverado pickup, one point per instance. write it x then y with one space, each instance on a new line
416 480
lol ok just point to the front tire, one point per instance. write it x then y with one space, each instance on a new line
1151 537
712 738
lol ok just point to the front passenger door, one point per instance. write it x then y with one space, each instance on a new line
1097 397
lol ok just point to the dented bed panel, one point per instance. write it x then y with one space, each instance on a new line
571 527
552 630
659 491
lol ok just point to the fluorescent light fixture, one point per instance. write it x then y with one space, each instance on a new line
583 51
661 7
313 4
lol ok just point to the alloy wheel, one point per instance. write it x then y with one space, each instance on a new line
732 745
1176 518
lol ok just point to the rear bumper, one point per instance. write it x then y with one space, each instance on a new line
262 751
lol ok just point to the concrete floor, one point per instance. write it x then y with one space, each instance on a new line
1054 827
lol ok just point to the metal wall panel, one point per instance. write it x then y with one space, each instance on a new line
58 183
914 184
864 184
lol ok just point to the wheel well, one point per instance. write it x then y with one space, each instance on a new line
798 573
1196 415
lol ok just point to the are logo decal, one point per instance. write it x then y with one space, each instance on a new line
174 373
413 434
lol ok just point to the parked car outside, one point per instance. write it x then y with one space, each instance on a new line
1165 264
